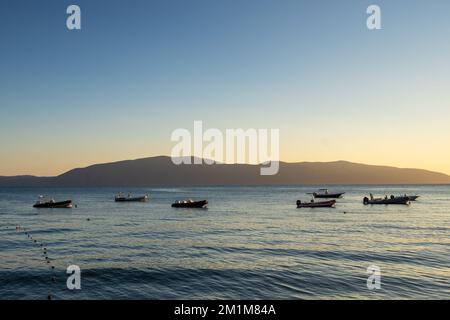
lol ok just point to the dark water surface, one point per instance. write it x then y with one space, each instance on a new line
251 243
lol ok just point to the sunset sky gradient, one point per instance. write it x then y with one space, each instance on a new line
139 69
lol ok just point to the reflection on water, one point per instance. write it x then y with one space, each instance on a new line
252 242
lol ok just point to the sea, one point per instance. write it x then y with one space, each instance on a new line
249 243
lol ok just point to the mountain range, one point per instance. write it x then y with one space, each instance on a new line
160 171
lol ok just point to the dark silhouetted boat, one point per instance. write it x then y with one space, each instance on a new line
324 194
190 204
313 204
129 198
391 200
50 203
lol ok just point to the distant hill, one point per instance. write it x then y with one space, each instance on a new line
160 171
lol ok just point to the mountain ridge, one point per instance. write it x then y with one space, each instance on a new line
160 171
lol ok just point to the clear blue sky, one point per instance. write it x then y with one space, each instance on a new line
140 69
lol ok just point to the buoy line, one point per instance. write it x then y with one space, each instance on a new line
44 250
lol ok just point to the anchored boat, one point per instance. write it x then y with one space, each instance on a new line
190 204
323 193
51 203
313 204
129 198
386 200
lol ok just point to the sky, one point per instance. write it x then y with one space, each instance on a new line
137 70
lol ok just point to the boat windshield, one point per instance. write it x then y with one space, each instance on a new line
44 199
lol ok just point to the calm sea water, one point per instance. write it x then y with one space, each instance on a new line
251 243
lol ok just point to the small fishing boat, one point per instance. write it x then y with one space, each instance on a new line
391 200
190 204
313 204
51 203
129 198
324 194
